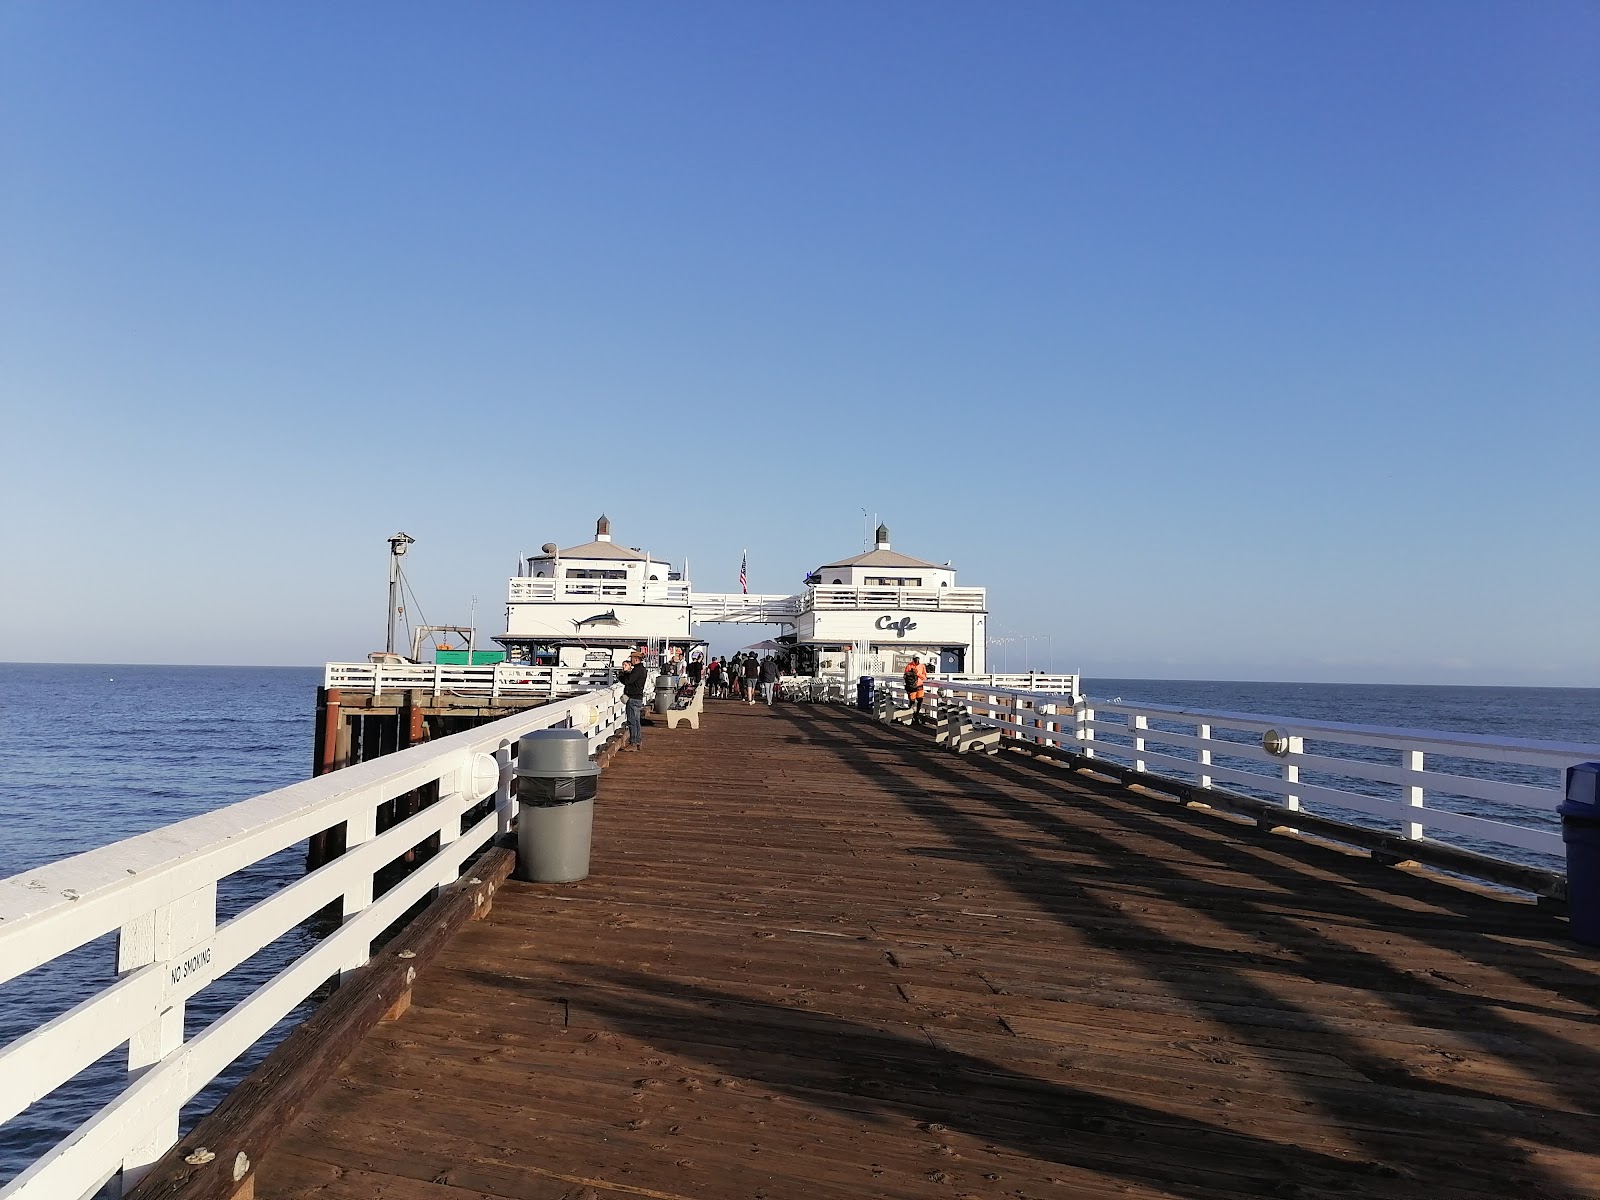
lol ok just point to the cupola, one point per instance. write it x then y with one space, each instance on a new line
883 537
602 529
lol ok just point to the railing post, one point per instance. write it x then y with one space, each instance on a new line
1291 772
1203 732
502 789
1086 727
160 937
436 672
453 801
360 827
377 679
1411 793
494 683
1136 723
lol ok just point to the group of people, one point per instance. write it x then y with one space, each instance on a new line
744 676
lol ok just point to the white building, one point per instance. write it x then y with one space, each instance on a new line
594 603
887 606
867 614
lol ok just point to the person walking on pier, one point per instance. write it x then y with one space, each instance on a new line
769 678
752 672
916 676
633 677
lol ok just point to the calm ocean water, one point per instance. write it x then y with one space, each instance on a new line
92 754
1546 714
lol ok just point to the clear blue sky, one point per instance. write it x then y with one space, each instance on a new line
1231 340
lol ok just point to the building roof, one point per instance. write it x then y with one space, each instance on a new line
601 550
881 558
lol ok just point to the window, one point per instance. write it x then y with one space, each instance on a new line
580 573
894 581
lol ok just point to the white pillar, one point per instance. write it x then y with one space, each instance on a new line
167 935
1411 792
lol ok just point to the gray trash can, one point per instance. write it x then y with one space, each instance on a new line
666 689
556 787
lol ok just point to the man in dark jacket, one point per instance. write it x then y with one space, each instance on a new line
633 676
769 678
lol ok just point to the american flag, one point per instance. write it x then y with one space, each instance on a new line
744 567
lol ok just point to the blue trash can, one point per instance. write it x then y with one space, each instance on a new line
1580 829
864 693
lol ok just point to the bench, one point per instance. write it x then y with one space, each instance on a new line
691 712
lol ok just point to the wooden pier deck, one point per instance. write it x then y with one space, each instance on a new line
820 957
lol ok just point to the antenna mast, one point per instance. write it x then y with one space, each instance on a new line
397 547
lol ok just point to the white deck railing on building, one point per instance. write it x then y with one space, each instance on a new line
1410 780
739 607
951 599
501 679
158 892
525 590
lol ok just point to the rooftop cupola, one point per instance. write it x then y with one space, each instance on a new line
883 537
602 529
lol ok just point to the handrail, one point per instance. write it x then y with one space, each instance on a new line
158 891
495 680
953 599
1390 773
525 590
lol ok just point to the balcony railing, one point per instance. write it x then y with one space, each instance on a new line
915 599
550 591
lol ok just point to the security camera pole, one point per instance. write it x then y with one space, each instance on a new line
397 547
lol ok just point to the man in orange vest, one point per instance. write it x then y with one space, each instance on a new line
916 676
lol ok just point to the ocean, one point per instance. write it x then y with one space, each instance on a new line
93 754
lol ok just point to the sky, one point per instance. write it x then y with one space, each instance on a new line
1233 339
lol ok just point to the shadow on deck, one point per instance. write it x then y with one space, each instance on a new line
820 957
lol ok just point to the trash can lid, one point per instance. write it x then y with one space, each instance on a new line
551 753
1583 791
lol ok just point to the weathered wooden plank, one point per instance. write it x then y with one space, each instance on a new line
809 944
246 1125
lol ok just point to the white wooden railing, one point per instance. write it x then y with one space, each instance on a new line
1021 681
525 590
1382 772
951 599
739 607
158 892
500 679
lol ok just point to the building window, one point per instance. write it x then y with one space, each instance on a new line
894 581
580 573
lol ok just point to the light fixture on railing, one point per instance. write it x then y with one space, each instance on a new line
1275 742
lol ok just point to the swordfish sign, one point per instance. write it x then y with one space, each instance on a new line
899 627
606 618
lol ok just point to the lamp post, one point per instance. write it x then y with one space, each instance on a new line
1003 642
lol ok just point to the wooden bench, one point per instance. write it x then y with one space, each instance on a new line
956 728
691 714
